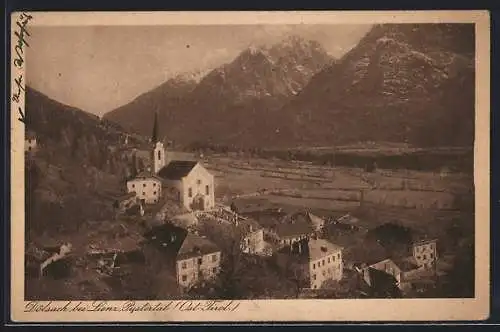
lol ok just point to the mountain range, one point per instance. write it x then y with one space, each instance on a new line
408 83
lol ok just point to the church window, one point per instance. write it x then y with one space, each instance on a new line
207 190
190 192
159 155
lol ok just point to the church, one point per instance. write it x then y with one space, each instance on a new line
184 181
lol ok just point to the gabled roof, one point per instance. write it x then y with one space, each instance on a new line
294 229
320 248
176 241
146 175
195 245
177 169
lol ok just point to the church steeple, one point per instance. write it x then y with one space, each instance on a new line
155 137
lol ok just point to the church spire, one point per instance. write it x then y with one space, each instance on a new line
155 138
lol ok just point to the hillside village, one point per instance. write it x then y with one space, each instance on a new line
196 246
283 173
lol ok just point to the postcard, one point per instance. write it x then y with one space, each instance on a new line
309 166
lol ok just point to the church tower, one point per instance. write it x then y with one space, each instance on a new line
158 149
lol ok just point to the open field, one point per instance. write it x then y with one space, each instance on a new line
301 184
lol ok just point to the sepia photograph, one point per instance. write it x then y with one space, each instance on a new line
204 166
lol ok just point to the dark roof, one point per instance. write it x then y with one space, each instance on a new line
177 169
176 241
293 229
195 245
370 252
406 264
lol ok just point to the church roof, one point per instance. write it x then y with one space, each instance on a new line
177 169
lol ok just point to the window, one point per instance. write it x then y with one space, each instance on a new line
143 193
154 184
328 260
159 154
190 192
425 257
184 277
133 186
431 255
29 148
419 257
154 200
338 255
314 277
314 266
314 286
323 262
207 190
200 260
214 258
333 258
154 192
184 265
144 185
198 182
214 270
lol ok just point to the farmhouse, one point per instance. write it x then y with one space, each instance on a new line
319 260
253 236
425 252
146 186
193 258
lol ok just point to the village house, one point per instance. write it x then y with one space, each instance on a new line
192 257
292 229
425 252
253 236
146 186
30 142
320 260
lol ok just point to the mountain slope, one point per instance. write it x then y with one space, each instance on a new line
232 102
403 83
137 116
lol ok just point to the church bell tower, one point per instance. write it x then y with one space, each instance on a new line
158 149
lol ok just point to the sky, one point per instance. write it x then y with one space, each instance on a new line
99 68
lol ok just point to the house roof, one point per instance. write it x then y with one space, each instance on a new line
248 225
320 248
177 169
147 175
406 263
195 245
308 250
176 241
370 252
294 229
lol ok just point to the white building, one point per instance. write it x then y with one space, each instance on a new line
147 187
325 262
189 183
